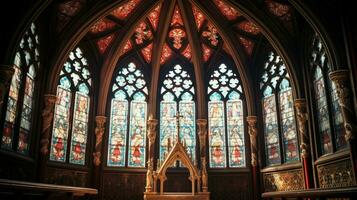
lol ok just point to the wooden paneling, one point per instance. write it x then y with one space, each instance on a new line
67 177
230 186
119 185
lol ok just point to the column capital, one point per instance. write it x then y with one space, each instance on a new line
339 75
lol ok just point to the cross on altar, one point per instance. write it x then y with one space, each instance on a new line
178 116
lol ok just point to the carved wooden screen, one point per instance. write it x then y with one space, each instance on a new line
70 123
225 119
327 111
281 144
20 100
127 133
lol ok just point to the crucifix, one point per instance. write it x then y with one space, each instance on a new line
178 116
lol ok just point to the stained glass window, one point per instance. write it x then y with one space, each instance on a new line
21 93
281 143
177 93
226 140
70 122
327 110
129 93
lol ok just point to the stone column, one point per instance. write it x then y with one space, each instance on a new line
302 117
99 131
6 73
252 131
47 117
202 134
151 134
341 80
345 100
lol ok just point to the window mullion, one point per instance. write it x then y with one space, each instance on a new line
71 118
329 109
128 122
225 118
278 116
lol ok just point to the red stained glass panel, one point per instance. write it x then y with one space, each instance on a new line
227 10
176 18
199 17
102 25
154 17
166 54
248 45
122 12
147 52
187 52
104 43
249 27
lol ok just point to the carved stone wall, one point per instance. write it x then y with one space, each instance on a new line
284 181
67 177
338 174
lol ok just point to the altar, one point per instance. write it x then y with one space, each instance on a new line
198 176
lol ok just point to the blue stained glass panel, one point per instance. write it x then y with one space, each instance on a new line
168 127
188 127
79 129
288 126
337 119
322 112
60 125
117 133
235 132
137 134
271 131
216 134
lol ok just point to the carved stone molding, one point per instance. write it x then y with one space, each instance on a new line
284 181
150 176
6 72
151 134
47 117
202 134
338 174
253 132
204 175
302 117
342 83
99 131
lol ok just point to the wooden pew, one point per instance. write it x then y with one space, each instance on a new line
10 189
321 193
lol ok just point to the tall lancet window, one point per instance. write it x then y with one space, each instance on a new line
127 133
281 144
327 110
70 123
20 100
177 94
225 119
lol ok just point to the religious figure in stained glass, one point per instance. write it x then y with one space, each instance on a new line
226 140
74 81
129 88
177 95
327 109
19 105
277 101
